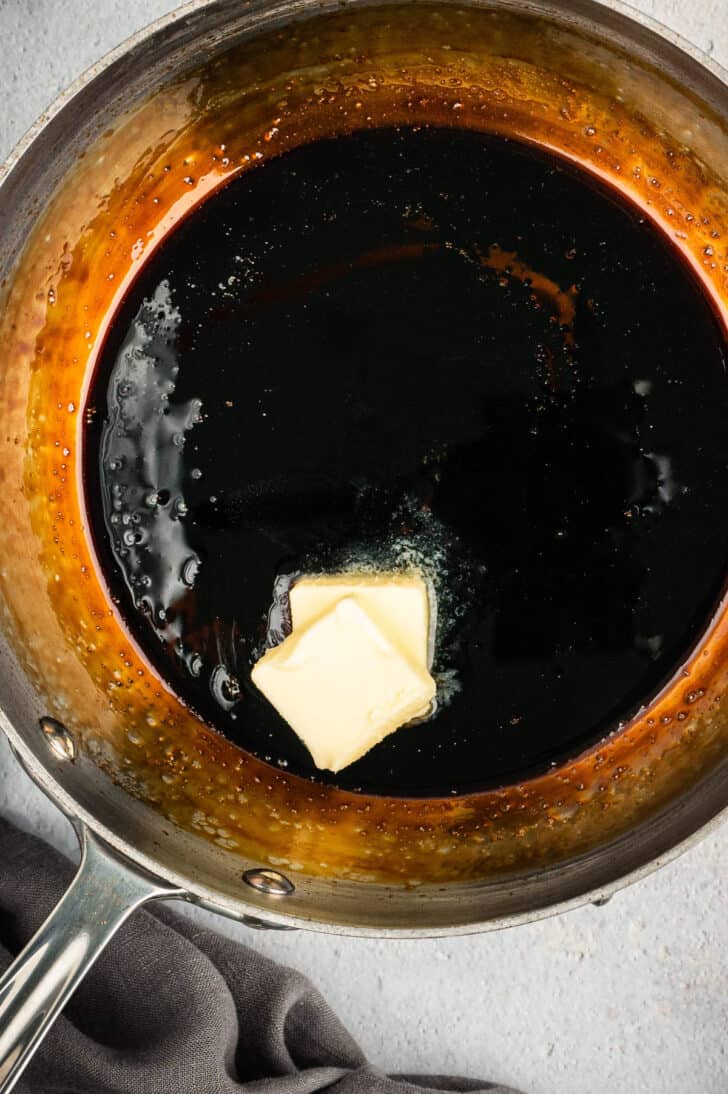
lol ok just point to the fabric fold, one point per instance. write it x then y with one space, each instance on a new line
174 1008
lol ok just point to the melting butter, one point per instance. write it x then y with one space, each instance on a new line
356 664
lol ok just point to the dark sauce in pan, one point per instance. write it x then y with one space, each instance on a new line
419 347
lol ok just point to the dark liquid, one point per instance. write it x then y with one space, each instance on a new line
427 346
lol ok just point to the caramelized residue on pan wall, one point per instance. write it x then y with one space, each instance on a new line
459 67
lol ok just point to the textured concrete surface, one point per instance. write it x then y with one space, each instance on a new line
628 998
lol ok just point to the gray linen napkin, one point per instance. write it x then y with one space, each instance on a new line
171 1008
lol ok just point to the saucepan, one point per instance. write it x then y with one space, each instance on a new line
165 808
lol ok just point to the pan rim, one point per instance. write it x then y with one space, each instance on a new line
239 909
42 773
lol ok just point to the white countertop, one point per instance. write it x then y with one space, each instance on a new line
630 998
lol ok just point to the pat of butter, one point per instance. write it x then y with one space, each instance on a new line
398 603
342 683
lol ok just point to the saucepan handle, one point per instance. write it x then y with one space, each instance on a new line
36 987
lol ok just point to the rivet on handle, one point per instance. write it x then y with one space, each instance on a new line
59 739
269 882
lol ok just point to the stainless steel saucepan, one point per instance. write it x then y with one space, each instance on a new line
164 807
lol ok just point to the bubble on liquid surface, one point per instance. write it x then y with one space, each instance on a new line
142 453
224 687
190 569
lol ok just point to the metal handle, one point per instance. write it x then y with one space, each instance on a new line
39 983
